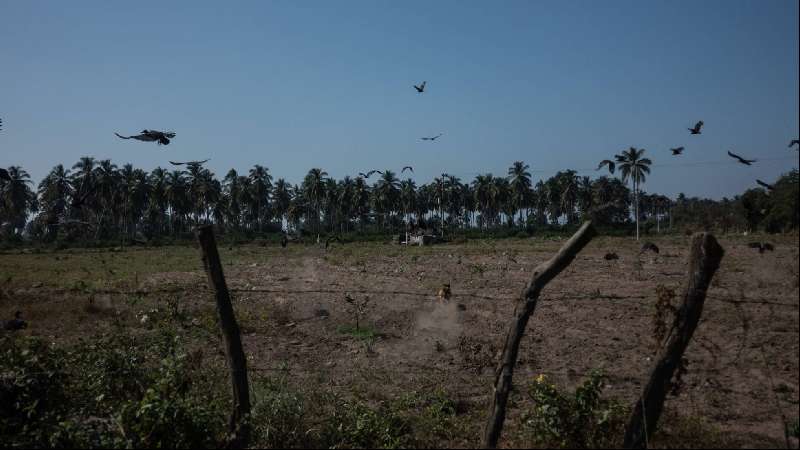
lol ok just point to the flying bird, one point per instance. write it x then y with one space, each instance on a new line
677 151
162 137
407 167
607 162
746 162
761 246
1 126
696 129
4 175
421 87
791 144
433 138
176 163
768 186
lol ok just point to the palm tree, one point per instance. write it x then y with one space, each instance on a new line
408 198
633 166
482 189
387 195
17 199
54 193
261 184
314 193
520 180
281 198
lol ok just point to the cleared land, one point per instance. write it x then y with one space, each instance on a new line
743 361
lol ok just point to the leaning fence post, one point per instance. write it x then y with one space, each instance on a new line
704 259
237 363
523 311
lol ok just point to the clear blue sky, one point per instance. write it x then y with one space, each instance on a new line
294 85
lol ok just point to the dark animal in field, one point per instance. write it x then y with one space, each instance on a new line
432 138
795 142
611 256
762 246
178 163
407 167
16 323
444 292
162 137
746 162
331 239
607 162
421 87
676 151
696 129
4 175
766 185
649 246
284 241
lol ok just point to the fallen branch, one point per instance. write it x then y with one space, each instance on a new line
704 259
237 363
522 313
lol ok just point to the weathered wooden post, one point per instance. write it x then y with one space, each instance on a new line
523 311
704 259
237 363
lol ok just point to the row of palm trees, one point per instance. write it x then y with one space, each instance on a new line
100 200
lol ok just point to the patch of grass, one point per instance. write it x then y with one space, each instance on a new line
364 333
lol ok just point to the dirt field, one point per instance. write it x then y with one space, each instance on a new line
743 361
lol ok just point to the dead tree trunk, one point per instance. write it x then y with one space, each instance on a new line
704 260
237 363
525 307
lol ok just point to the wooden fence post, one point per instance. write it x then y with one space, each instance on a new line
237 363
523 311
704 259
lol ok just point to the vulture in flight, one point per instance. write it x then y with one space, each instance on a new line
676 151
178 163
4 175
607 162
421 87
768 186
407 167
162 137
761 246
432 138
696 129
746 162
791 144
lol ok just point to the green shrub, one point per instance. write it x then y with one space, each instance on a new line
579 420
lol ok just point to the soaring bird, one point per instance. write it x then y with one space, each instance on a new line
794 142
649 246
4 175
696 129
768 186
15 324
407 167
607 162
761 246
421 87
746 162
162 137
676 151
432 138
175 163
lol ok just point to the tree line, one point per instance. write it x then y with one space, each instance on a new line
97 200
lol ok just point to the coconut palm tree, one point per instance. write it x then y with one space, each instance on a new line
314 193
17 199
260 187
520 180
281 198
633 166
386 195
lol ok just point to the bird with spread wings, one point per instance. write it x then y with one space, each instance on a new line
181 163
162 137
696 129
432 138
766 185
421 87
746 162
607 162
795 142
676 151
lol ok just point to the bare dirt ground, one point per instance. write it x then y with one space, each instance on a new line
743 361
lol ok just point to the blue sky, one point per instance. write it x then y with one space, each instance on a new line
294 85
